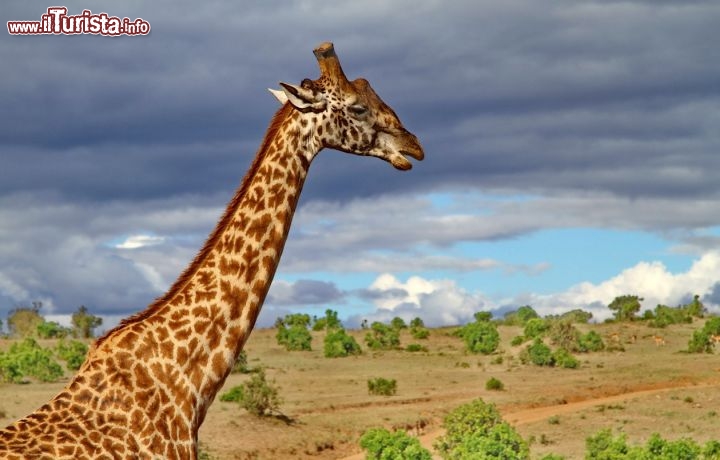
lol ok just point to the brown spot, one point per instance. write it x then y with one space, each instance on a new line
219 365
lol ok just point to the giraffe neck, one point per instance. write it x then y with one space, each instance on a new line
187 341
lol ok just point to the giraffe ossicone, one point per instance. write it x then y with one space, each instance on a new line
146 385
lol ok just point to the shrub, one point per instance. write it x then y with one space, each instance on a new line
700 341
293 332
260 397
537 353
535 327
51 330
72 352
382 387
480 337
592 341
566 336
417 323
476 430
563 358
338 344
28 359
398 323
382 444
419 333
494 384
413 347
382 337
235 394
517 340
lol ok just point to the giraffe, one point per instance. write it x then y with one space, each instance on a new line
146 385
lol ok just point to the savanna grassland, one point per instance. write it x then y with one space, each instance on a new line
639 388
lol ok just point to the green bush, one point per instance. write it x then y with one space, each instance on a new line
72 352
480 337
384 445
700 341
537 353
51 330
536 327
476 431
28 359
382 387
398 323
338 344
382 337
419 333
565 335
293 333
592 341
234 394
494 384
414 347
563 358
260 397
518 340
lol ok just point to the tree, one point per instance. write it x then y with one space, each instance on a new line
23 321
51 330
625 307
293 332
382 337
328 323
476 430
84 323
398 323
696 307
480 337
338 344
381 444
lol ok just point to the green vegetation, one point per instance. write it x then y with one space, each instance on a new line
476 430
382 337
293 333
520 317
28 359
382 387
328 323
494 384
625 307
381 444
398 323
592 341
701 340
604 445
23 321
480 337
234 394
52 330
72 352
414 347
339 344
84 323
418 329
537 353
257 395
536 327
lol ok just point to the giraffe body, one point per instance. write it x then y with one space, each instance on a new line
146 386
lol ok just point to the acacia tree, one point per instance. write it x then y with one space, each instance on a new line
84 323
23 321
625 307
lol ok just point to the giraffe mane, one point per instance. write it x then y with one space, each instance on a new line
277 120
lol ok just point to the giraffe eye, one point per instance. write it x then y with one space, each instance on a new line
358 109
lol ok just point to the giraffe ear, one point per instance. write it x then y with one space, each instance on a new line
279 95
303 98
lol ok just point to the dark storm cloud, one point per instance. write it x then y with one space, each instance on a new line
102 138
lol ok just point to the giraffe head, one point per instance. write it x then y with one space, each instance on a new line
348 115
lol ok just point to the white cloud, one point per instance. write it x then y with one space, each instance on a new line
444 302
140 241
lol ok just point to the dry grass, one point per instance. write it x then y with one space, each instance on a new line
644 389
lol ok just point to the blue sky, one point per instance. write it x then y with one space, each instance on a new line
571 155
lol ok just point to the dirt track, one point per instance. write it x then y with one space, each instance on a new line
537 414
